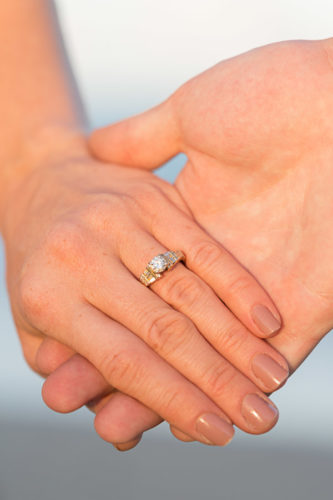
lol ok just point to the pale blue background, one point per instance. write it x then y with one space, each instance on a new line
128 55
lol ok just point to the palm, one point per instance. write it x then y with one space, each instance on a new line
262 181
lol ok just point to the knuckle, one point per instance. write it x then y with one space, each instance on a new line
108 212
121 368
64 240
173 401
146 193
184 289
205 254
144 200
139 196
168 331
32 298
231 339
101 206
239 284
219 378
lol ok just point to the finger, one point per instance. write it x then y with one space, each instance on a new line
123 419
127 446
98 403
175 339
30 343
43 354
65 392
209 260
180 435
51 354
62 394
187 293
75 383
146 140
127 363
232 283
297 347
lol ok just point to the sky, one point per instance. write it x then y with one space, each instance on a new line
128 55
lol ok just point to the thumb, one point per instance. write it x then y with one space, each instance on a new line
146 140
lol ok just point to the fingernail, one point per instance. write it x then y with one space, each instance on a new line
265 320
269 371
129 445
259 414
214 429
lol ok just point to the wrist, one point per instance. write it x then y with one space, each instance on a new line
48 145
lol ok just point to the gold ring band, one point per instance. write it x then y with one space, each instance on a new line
160 263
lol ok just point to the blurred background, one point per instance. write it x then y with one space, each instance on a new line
128 55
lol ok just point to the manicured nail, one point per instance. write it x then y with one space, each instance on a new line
214 429
259 414
269 371
265 320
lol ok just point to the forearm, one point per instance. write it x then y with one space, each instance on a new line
40 108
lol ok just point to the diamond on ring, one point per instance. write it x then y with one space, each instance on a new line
160 263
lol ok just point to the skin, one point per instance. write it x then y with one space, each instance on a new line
74 282
78 233
261 182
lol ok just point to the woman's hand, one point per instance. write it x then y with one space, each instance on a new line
78 234
258 133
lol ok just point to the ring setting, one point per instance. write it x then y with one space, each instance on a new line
160 263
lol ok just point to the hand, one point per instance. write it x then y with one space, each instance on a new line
76 232
261 179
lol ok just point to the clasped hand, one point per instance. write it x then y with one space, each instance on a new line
258 182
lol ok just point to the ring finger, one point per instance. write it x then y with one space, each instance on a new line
188 294
176 339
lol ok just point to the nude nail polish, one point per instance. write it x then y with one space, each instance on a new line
214 429
258 413
265 320
271 374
